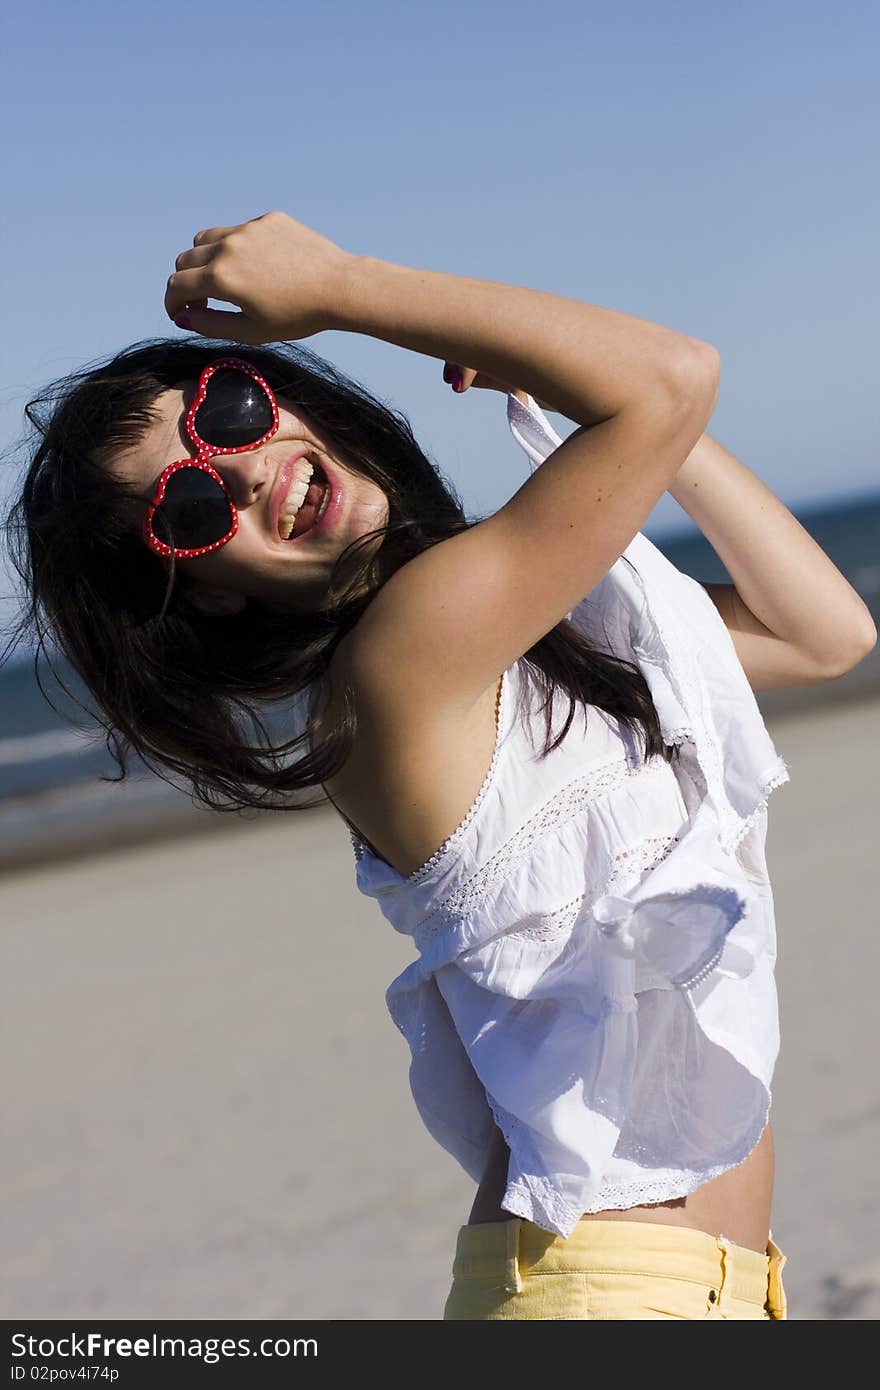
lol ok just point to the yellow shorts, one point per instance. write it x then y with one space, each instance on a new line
610 1270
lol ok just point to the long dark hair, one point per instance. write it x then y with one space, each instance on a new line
191 693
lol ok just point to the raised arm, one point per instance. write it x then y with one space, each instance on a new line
464 610
586 362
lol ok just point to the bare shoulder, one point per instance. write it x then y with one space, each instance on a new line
417 763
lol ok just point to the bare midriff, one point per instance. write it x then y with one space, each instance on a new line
736 1204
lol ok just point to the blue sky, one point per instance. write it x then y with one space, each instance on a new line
709 166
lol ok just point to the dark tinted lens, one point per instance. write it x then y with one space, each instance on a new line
195 509
235 411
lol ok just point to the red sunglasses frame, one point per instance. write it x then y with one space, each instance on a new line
205 452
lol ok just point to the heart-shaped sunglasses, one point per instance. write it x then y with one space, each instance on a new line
233 410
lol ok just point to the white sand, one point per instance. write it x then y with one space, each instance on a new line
197 1124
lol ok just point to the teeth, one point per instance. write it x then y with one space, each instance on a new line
295 498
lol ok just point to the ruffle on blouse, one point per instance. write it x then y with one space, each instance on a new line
623 1036
604 1046
668 622
689 916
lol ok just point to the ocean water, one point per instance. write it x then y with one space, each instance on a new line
52 769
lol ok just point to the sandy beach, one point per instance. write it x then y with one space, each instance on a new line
207 1111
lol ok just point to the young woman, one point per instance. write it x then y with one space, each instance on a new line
541 735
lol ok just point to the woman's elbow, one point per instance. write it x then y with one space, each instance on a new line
861 645
694 376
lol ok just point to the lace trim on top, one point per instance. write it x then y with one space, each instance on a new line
361 848
548 926
746 826
535 1198
635 859
565 805
556 925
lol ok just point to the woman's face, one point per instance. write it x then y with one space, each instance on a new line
258 562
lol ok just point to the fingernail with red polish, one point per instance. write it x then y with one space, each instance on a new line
183 321
457 381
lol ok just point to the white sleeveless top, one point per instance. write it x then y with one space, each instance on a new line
596 939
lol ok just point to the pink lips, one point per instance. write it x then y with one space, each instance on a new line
333 508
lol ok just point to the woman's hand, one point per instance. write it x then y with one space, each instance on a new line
460 378
285 279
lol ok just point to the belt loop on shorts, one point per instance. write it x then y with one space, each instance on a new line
777 1303
512 1279
724 1245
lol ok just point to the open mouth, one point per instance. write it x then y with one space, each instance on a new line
305 505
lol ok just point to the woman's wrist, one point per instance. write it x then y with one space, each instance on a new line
346 312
